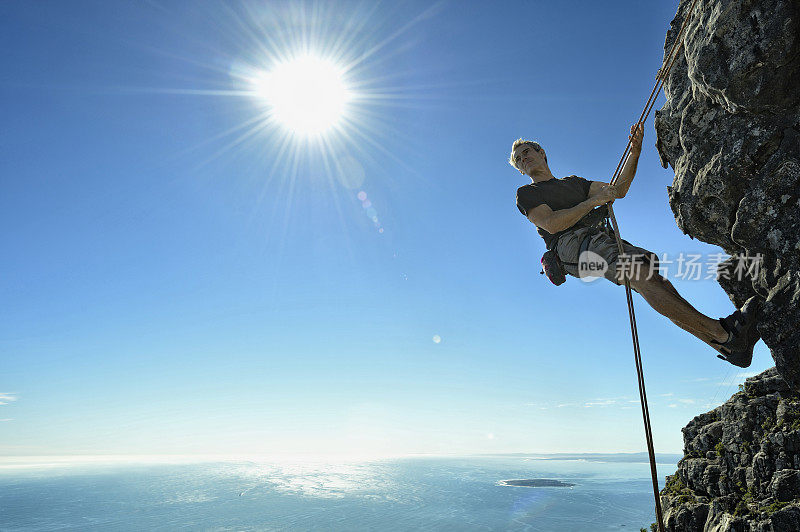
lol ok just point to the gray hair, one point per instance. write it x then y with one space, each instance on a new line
522 142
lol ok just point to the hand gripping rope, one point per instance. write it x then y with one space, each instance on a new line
663 72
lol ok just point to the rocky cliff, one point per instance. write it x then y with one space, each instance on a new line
741 465
730 129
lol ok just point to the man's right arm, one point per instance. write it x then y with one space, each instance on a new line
555 221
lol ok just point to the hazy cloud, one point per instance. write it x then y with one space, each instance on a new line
6 398
600 402
540 406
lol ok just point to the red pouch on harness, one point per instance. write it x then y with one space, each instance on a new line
552 268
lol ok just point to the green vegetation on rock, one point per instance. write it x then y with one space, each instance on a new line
675 488
720 449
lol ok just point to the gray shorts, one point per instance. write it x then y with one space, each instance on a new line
604 245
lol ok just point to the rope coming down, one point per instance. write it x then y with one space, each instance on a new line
662 75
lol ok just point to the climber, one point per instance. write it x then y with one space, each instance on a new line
564 212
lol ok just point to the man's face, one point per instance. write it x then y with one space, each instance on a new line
528 158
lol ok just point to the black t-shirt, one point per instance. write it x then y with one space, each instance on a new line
556 193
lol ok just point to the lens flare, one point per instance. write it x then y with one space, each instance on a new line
369 210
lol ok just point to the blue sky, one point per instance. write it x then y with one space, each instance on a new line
178 280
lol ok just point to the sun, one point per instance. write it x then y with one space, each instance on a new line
307 95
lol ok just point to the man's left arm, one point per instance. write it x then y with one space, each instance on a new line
629 168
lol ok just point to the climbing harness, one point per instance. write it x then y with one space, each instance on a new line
660 78
552 265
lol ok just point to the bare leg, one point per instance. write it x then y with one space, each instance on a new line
664 298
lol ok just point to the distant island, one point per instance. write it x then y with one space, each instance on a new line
537 483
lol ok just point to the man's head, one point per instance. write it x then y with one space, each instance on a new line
527 155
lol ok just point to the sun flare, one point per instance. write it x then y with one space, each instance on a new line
307 95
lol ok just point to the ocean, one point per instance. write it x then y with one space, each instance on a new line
420 493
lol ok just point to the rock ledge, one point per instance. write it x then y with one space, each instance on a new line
741 465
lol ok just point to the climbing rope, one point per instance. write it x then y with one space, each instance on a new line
663 72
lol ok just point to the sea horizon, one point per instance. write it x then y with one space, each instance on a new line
43 460
590 491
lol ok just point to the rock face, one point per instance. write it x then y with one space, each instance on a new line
741 464
731 131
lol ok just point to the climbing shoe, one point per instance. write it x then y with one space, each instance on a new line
742 334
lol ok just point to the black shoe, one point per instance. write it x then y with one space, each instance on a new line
742 334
